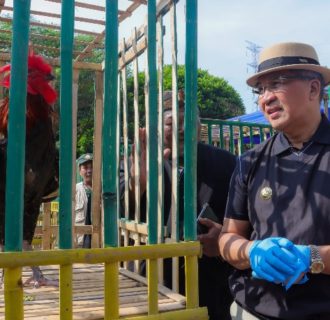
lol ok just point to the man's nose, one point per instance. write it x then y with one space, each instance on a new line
268 95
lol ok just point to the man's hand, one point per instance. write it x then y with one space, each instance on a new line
294 257
303 254
271 259
209 240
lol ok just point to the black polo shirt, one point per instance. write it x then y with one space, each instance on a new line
285 193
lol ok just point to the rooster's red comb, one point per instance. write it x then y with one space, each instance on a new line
39 75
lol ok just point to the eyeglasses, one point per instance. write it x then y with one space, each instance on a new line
278 84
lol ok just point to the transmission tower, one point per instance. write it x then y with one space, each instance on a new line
253 50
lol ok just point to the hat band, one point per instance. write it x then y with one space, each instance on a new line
285 61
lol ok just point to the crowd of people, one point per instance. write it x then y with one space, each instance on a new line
267 255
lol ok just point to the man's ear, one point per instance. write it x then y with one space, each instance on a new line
315 87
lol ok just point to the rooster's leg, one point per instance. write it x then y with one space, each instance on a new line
37 278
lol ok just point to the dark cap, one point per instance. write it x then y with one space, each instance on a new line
84 158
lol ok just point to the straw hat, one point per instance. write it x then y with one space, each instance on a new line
288 56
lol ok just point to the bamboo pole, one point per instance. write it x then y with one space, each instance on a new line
97 165
109 131
126 156
75 87
190 147
137 191
175 150
66 155
160 228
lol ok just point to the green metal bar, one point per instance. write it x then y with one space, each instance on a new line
231 140
16 128
251 137
221 136
241 138
190 124
109 133
66 156
209 133
152 136
261 134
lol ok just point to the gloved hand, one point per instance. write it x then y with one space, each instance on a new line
271 259
303 254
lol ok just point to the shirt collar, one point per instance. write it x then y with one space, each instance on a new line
322 136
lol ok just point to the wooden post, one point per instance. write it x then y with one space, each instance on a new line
175 150
75 87
160 228
125 135
46 232
137 191
97 155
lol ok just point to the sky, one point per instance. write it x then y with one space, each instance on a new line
225 26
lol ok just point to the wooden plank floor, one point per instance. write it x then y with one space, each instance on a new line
88 293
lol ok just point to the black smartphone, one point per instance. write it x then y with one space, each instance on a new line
208 213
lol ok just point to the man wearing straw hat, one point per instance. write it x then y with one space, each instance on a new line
276 228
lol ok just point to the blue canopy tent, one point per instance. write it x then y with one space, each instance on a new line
254 117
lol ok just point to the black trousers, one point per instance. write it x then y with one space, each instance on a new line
214 290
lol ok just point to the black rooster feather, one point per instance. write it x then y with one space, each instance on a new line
41 161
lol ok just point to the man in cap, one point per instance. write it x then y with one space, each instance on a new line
84 198
277 222
214 169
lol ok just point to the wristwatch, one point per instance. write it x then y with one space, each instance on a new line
317 264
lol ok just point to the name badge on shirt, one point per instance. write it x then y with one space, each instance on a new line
266 193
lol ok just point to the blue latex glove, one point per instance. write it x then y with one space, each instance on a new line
303 254
271 259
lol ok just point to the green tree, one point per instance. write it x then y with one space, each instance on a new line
216 98
85 117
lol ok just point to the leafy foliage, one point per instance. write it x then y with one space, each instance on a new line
216 98
86 102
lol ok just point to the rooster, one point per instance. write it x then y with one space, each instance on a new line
41 164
